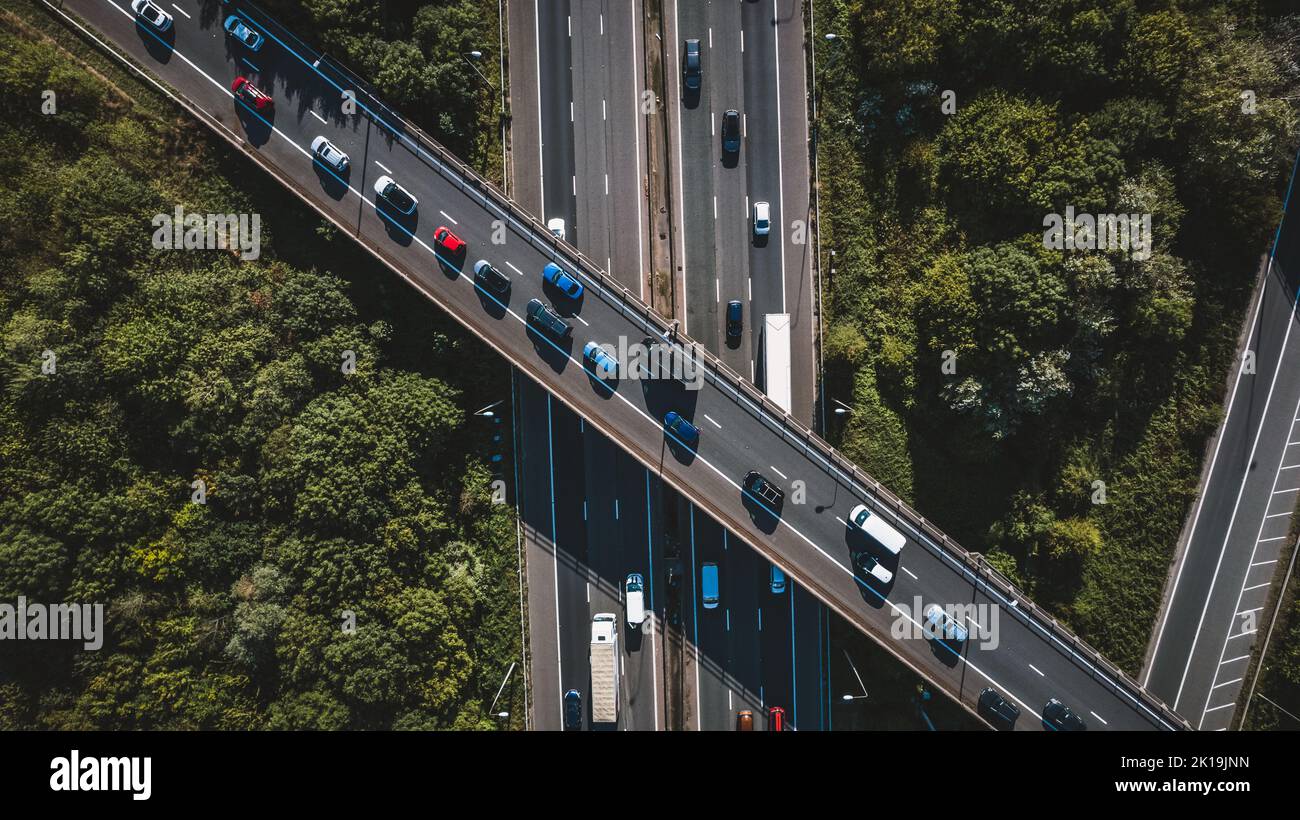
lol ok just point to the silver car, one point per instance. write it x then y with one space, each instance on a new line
329 155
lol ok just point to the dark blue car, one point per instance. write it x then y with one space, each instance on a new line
681 429
572 710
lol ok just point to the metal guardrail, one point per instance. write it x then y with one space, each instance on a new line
745 394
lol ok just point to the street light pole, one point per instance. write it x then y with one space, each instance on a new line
502 689
470 58
856 675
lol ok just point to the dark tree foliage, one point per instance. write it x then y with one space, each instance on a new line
997 379
345 568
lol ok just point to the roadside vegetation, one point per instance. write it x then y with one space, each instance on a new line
416 53
346 568
1064 439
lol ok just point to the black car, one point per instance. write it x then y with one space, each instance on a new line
735 319
489 278
764 490
692 66
1001 712
1057 715
572 710
548 320
731 131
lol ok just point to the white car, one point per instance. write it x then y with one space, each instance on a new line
329 155
395 195
941 625
556 226
157 19
866 565
762 219
634 599
861 518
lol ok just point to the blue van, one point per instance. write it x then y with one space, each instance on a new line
709 585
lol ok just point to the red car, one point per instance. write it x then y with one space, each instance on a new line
250 95
776 719
449 244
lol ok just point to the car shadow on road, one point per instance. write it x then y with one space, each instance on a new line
451 266
400 228
160 46
604 388
555 354
764 517
334 184
258 127
494 304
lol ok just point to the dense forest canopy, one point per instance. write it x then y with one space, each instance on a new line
280 540
1047 406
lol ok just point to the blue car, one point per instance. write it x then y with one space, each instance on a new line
603 365
560 279
572 710
236 28
681 429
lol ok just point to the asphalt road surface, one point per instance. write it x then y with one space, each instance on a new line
588 519
809 538
595 139
753 62
1220 584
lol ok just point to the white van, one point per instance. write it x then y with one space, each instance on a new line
875 527
634 599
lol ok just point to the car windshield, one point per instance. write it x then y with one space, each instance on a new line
399 197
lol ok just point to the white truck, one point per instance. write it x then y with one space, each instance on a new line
604 668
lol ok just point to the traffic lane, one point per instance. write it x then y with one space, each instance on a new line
533 468
568 539
525 105
796 169
744 662
775 647
608 567
696 188
808 660
555 59
1234 474
605 118
626 141
728 650
458 301
712 647
731 225
763 142
636 555
587 125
